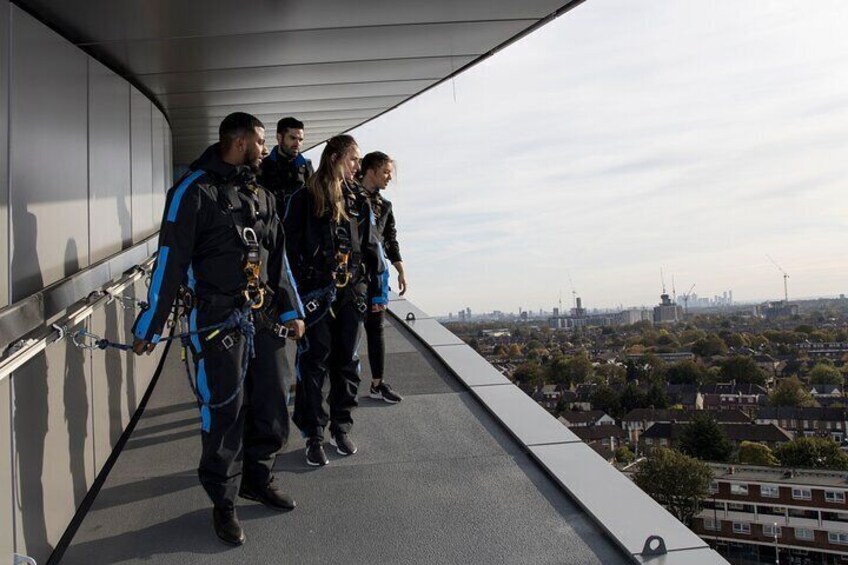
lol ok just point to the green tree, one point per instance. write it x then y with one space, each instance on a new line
579 368
709 346
514 351
743 370
685 372
606 399
752 453
529 373
656 397
624 456
790 392
632 397
676 481
825 374
703 438
812 453
557 372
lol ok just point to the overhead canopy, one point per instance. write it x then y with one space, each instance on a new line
334 64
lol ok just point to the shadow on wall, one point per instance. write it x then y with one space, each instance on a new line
75 393
30 405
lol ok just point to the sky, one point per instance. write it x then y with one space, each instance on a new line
623 139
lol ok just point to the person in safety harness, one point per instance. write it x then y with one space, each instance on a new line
222 250
375 174
285 169
337 262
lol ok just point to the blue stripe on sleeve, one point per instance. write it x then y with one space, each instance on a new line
203 391
153 296
178 194
288 316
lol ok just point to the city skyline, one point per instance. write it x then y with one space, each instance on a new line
625 138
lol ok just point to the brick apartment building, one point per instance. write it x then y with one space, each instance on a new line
804 511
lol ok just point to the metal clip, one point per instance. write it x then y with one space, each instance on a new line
62 331
23 560
281 331
227 342
410 317
311 306
250 236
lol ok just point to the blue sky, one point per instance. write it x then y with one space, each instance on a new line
623 138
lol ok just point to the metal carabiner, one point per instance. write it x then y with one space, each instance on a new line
250 236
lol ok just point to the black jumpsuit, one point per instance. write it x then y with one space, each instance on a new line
284 176
387 233
333 324
200 246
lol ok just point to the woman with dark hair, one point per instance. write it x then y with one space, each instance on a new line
337 263
375 174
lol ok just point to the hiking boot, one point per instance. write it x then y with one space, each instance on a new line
343 444
227 526
269 495
384 392
315 455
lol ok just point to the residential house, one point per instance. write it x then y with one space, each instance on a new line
813 421
638 420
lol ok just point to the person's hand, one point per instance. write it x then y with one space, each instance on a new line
401 277
296 329
142 346
378 307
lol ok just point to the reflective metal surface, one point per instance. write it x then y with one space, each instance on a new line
312 60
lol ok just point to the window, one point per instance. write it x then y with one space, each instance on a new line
804 534
834 496
769 491
741 528
711 524
838 537
713 487
663 441
771 530
736 488
649 441
801 493
735 506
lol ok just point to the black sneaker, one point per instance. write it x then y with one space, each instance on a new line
269 495
384 392
227 526
315 455
343 444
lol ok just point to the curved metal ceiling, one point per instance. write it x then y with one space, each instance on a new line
333 64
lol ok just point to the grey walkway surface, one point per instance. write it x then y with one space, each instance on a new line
435 480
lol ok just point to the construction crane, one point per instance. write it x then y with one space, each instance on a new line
573 292
673 291
785 279
686 298
662 278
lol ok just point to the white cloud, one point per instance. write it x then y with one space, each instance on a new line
624 137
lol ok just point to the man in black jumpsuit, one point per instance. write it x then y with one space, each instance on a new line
217 222
285 169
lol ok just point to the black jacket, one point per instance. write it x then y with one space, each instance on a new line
199 244
284 176
384 219
311 245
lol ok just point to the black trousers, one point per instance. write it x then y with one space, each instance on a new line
376 343
329 349
245 435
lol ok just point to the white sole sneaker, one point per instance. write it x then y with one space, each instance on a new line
338 449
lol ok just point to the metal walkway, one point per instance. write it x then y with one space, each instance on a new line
436 480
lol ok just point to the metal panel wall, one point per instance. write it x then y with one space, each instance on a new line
54 454
7 533
108 162
5 45
142 171
48 156
114 390
158 166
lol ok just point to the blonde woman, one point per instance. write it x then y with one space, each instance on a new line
336 260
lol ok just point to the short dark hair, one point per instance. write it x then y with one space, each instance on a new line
288 123
237 124
373 160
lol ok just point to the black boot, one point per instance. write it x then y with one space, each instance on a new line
227 526
269 495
